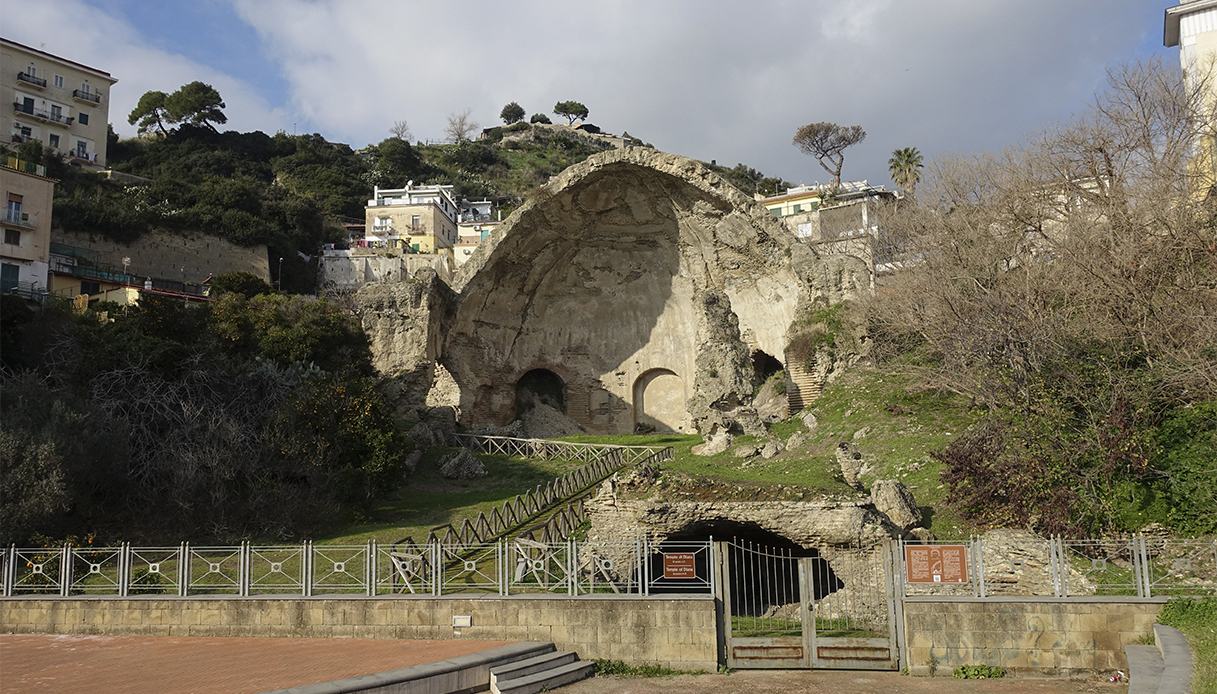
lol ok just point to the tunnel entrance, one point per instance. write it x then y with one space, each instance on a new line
540 386
764 366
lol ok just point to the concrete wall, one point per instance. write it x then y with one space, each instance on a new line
676 632
182 257
1024 633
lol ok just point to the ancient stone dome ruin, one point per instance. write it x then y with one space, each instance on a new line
634 290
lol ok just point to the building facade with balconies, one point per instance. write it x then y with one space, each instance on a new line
62 104
25 249
418 219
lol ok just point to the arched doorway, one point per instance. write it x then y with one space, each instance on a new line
540 386
659 402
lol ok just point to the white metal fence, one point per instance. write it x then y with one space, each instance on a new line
1136 565
371 569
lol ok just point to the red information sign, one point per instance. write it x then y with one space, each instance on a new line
679 565
936 563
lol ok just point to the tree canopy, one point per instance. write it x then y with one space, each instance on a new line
905 167
827 142
539 118
460 126
571 111
196 103
512 113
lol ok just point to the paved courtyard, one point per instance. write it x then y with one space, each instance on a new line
75 664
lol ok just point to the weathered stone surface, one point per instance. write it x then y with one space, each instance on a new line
920 535
861 433
744 452
1018 562
770 406
771 450
544 422
819 525
796 439
894 500
850 460
411 463
421 435
714 444
463 465
809 421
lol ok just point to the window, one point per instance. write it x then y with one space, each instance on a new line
8 276
82 149
414 221
83 118
12 237
87 287
56 113
54 141
13 212
59 81
797 208
84 88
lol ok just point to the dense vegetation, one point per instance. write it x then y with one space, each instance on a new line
1066 288
250 416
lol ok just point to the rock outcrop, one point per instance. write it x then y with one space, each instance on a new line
895 501
463 465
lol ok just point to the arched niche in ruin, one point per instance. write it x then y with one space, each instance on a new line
630 262
540 387
659 402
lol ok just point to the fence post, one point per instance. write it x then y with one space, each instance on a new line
370 573
646 566
978 548
183 579
437 579
306 573
1054 564
9 570
65 570
1146 572
243 571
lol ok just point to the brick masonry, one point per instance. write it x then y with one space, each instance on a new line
1024 634
679 632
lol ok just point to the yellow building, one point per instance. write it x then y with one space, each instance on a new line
419 219
62 104
1192 26
25 249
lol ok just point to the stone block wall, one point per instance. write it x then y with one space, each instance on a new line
1024 633
675 632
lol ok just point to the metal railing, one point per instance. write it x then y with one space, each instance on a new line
504 568
1134 565
91 97
553 522
51 116
28 220
31 79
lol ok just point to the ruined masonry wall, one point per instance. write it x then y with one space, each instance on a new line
182 257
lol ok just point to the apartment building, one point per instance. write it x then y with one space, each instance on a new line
418 219
61 103
25 248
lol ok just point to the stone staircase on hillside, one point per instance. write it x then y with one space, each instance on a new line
802 386
1164 668
544 672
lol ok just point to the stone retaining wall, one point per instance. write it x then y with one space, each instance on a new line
1024 634
675 632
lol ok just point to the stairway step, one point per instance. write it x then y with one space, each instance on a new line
1144 669
547 680
522 668
1176 660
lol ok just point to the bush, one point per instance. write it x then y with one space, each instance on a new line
977 672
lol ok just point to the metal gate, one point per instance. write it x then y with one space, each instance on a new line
786 611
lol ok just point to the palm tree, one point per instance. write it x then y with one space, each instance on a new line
905 166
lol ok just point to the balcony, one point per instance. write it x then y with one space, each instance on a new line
91 98
90 157
31 80
29 110
17 218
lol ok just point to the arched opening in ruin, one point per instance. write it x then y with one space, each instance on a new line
758 586
764 366
659 402
540 386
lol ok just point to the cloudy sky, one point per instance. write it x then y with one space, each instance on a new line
708 79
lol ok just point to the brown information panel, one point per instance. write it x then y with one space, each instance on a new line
936 563
679 565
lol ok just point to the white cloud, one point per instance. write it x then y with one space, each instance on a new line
102 41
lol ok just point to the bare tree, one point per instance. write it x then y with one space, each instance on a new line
401 130
460 126
827 142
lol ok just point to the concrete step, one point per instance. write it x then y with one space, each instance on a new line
545 680
1144 669
1176 675
522 668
